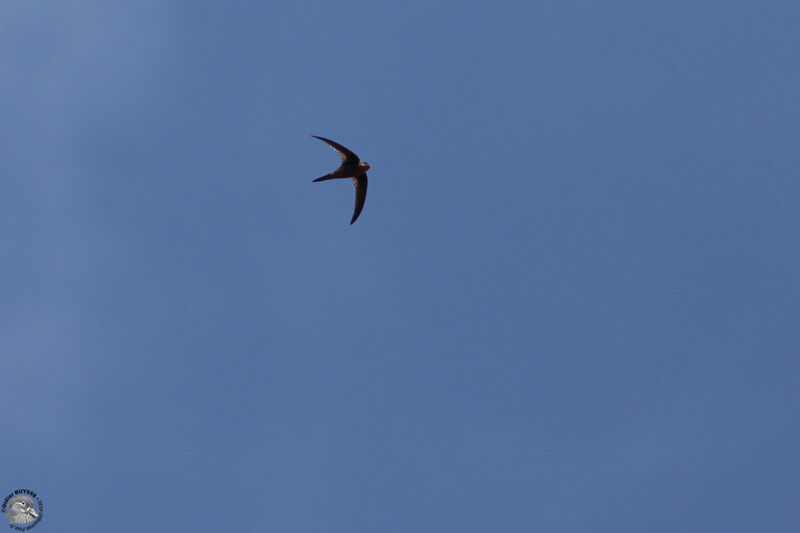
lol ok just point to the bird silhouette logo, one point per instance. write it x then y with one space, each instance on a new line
21 510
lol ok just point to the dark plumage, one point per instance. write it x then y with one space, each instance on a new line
352 167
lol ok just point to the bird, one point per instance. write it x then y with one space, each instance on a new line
352 167
20 510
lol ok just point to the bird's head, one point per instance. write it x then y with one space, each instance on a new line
363 165
23 507
21 510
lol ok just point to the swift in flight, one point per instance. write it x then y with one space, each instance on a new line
352 167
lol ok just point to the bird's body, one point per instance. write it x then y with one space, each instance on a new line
352 167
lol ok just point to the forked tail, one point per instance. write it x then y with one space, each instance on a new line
331 176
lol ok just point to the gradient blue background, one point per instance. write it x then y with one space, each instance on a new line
571 302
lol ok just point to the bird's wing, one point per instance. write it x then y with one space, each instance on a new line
360 184
348 157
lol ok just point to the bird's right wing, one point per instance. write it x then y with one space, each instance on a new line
348 157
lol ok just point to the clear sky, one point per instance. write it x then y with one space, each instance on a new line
571 302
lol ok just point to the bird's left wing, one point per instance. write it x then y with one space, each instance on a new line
360 185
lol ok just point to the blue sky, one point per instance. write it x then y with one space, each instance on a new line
570 304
